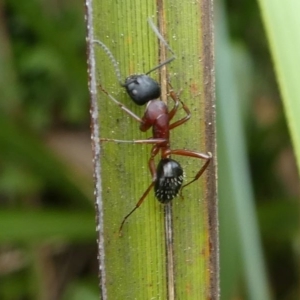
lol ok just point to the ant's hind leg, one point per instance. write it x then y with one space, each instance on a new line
152 168
207 157
136 207
201 171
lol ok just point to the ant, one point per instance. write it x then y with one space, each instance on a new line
167 178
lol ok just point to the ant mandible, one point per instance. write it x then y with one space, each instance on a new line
167 178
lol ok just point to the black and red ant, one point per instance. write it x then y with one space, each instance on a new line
167 178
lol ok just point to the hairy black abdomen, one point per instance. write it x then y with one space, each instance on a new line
169 180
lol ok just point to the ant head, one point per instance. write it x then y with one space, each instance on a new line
142 88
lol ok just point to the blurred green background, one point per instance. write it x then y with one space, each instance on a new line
47 228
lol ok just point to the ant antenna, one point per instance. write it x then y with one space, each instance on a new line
155 30
112 59
116 65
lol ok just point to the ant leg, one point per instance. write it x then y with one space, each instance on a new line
122 106
148 141
189 153
136 206
173 111
176 99
151 163
184 119
152 168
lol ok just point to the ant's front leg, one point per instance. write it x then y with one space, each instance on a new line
172 113
121 105
175 98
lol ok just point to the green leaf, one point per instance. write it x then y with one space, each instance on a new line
135 266
240 245
282 23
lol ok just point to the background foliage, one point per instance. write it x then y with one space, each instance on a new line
47 240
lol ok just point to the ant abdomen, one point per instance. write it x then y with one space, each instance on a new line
142 88
169 180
